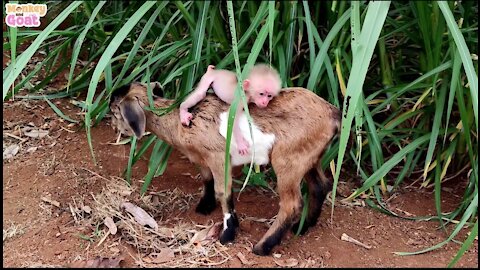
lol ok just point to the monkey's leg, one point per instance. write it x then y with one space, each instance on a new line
207 203
242 143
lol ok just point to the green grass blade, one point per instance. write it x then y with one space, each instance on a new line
196 51
438 191
290 38
468 242
23 59
409 86
464 54
440 102
271 23
309 24
78 43
59 112
160 154
138 43
469 212
182 8
453 87
103 62
133 147
238 90
314 74
163 164
13 50
387 166
374 19
256 22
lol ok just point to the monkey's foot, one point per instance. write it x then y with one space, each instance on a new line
242 146
185 118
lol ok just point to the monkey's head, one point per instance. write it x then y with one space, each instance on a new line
128 115
263 83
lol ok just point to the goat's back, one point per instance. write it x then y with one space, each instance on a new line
295 116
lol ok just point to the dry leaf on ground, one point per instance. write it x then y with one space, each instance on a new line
32 149
243 259
36 133
165 255
112 228
87 209
11 151
287 262
50 201
98 262
142 217
207 235
347 238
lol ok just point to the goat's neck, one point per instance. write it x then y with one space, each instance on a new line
165 126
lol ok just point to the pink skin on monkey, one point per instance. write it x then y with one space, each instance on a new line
262 85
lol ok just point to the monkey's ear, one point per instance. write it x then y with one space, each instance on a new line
246 84
134 116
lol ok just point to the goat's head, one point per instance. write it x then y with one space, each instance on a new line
128 115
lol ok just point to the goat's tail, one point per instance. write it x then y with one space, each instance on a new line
337 117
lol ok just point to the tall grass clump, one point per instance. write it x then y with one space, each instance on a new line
404 73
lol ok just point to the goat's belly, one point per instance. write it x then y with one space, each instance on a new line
260 150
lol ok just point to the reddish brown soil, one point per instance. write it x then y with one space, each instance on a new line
51 238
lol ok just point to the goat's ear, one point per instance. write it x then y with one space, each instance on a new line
134 116
156 85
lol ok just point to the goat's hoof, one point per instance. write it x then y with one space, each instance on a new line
227 236
261 250
205 207
302 231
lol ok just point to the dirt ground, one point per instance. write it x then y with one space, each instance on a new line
59 167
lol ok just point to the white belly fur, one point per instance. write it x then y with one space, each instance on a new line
263 141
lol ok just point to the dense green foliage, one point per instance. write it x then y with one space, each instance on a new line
403 72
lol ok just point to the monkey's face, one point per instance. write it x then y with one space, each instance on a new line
263 89
262 98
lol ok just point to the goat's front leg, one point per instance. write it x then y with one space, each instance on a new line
224 195
207 203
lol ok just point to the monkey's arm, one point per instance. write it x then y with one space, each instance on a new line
198 94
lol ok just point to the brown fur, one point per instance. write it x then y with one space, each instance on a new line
303 123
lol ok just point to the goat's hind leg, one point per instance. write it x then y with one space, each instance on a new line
207 203
318 188
290 202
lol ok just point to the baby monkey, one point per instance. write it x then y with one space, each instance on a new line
261 85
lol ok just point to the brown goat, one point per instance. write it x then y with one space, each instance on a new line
303 125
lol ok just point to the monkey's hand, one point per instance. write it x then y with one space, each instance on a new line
242 146
185 117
